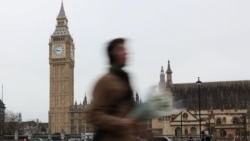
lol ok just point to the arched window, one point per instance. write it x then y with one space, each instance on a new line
185 116
193 131
178 132
224 120
236 120
186 132
218 121
223 133
243 119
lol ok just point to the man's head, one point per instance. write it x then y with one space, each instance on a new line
116 52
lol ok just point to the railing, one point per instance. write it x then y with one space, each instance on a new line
207 139
53 137
195 138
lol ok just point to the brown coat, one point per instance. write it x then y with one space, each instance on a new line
107 109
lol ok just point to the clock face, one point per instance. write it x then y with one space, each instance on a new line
59 50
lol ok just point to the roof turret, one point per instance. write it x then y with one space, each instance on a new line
85 100
169 68
162 76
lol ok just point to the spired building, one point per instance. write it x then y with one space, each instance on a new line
61 61
65 116
2 116
224 108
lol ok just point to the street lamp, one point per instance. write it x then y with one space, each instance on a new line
199 97
181 125
49 136
62 136
244 124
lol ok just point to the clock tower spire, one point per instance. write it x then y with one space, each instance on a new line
61 61
62 23
62 14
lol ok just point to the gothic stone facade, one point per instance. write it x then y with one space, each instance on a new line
221 124
224 108
78 122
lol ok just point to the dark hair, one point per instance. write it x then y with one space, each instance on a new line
111 46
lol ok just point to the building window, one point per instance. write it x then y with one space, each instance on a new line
243 119
178 132
218 121
185 116
236 120
72 129
186 132
223 133
80 129
80 116
80 122
193 131
224 120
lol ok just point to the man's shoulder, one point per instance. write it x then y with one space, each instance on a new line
108 77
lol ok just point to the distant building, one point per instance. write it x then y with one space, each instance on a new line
78 122
2 117
33 128
224 108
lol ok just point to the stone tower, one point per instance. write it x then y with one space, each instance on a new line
85 101
162 82
61 61
169 75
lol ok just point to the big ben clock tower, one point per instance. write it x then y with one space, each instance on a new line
61 61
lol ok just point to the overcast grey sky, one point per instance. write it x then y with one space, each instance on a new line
209 39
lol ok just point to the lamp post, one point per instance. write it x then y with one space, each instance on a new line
62 136
244 124
199 98
181 125
49 136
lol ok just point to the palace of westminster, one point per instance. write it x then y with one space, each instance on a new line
224 105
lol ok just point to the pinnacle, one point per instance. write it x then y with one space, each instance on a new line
169 68
61 14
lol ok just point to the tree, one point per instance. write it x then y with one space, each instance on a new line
30 127
11 122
